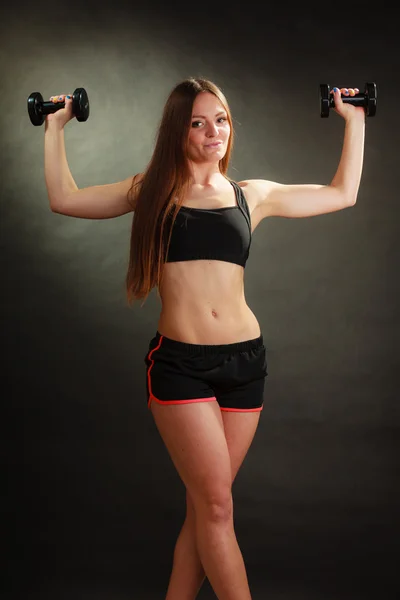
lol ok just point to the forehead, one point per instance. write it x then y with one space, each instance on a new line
207 103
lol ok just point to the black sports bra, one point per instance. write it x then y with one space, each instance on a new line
212 234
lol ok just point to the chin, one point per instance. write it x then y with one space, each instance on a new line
217 152
216 158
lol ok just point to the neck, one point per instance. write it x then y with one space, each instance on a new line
205 173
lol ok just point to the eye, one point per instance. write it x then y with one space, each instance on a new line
197 124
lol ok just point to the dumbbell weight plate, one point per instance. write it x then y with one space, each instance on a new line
35 103
80 104
324 91
371 96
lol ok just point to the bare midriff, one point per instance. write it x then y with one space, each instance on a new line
203 302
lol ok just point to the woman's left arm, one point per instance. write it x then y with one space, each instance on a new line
307 200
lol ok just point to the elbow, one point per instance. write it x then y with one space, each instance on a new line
345 197
351 200
55 207
348 198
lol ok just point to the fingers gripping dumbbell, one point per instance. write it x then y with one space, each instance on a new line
367 100
38 109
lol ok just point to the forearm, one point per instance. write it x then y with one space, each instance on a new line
348 175
59 181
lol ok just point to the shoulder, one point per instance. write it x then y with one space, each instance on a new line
257 190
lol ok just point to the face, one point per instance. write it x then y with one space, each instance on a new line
209 131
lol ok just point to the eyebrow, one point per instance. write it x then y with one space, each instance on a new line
222 112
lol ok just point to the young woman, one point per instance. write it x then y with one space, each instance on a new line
206 364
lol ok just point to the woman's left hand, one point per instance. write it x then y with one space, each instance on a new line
345 110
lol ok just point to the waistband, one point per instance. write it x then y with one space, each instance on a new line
207 349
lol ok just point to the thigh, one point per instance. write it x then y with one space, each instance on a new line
195 439
239 431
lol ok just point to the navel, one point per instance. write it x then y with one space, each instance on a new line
214 314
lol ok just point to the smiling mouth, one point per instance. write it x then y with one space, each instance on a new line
213 145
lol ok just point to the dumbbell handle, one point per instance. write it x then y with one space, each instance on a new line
357 100
52 107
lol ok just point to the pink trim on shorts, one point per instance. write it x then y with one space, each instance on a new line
259 409
180 401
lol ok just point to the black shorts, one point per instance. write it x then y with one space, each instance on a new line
233 374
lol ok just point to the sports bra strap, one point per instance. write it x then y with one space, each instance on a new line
242 202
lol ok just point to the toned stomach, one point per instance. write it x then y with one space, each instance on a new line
203 302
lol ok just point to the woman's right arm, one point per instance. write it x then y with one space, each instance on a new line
95 202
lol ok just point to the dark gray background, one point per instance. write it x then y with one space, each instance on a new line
93 504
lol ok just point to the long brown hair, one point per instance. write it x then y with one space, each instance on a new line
161 190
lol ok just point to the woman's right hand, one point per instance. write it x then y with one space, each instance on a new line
63 115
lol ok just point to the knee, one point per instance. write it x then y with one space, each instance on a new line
216 506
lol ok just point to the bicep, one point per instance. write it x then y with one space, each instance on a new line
295 201
100 201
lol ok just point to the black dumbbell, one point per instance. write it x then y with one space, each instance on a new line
367 100
38 109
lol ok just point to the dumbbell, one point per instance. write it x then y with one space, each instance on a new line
367 100
38 109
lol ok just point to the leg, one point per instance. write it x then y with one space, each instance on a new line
197 446
188 574
195 438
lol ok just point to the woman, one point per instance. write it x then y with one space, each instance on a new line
206 365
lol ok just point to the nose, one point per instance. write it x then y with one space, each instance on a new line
212 130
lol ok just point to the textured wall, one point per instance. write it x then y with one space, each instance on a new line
92 493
